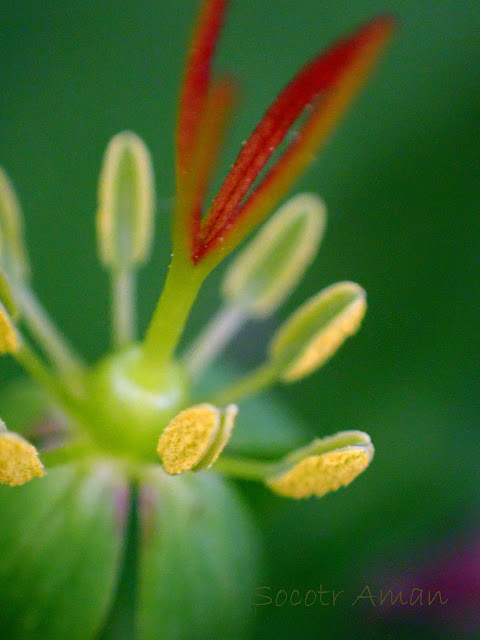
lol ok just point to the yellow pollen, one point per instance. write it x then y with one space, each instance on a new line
188 438
326 343
8 336
19 461
317 475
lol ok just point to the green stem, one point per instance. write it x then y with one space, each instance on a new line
251 383
48 336
217 334
246 468
166 327
123 307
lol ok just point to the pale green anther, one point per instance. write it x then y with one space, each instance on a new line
13 257
126 202
6 296
8 334
316 330
270 266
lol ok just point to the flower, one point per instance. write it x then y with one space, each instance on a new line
128 423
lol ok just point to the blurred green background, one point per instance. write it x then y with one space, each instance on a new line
401 181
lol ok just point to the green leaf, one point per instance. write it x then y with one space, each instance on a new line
271 265
198 558
60 543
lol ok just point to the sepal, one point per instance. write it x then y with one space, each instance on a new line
60 544
199 558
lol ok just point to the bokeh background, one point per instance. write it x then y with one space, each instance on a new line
401 182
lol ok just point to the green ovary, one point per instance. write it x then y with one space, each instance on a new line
129 407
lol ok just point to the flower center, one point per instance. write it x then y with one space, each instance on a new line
129 406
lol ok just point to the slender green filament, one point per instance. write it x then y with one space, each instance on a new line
123 283
253 382
245 468
224 325
49 337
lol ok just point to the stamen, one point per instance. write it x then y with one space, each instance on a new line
317 475
271 265
305 341
327 342
316 331
13 257
195 438
15 290
324 465
262 276
6 297
19 461
126 203
8 335
224 434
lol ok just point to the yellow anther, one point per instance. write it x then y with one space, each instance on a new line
195 438
317 329
317 475
8 335
19 461
327 342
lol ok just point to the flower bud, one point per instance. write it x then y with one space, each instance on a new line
126 200
323 466
316 330
271 265
13 258
196 437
